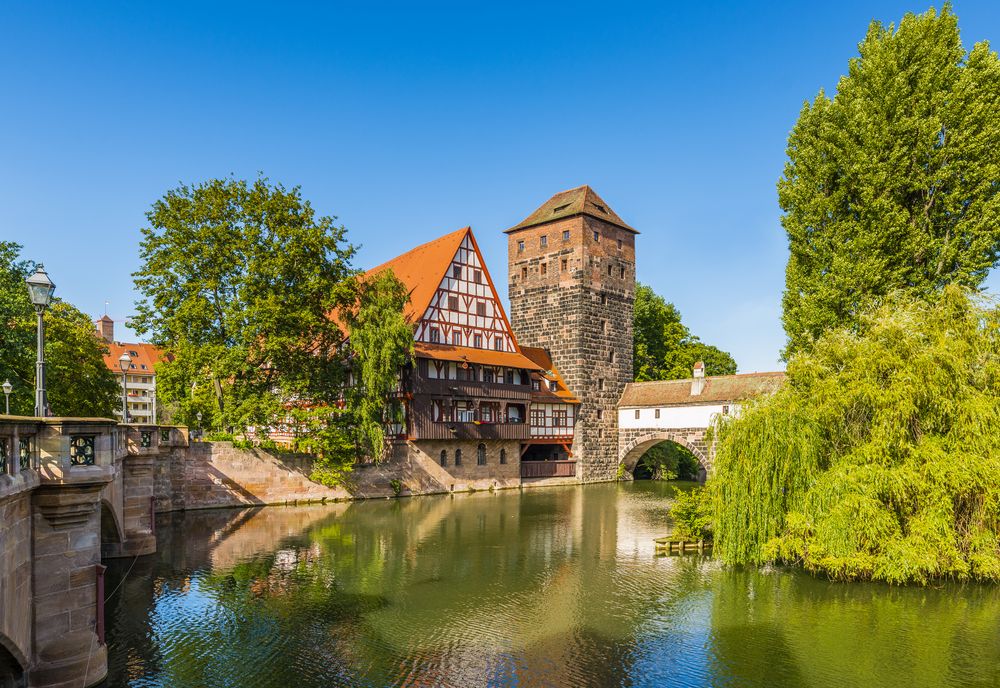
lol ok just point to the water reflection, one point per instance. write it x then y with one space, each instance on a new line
550 587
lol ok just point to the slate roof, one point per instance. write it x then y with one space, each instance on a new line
579 201
548 373
721 388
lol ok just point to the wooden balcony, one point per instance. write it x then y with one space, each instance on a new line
548 469
459 389
424 429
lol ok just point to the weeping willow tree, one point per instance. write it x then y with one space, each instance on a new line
880 457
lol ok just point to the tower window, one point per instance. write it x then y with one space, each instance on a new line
524 273
619 244
456 271
564 264
609 271
611 357
600 383
520 247
544 241
621 271
453 303
435 335
565 235
600 414
543 268
597 237
604 299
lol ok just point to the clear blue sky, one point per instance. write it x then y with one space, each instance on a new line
408 122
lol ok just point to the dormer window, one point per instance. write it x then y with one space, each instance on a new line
560 208
553 386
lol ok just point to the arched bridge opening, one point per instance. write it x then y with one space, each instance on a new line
631 450
11 665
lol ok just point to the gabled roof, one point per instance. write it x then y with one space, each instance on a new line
717 389
579 201
144 357
548 373
421 269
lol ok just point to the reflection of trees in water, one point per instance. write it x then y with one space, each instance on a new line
790 629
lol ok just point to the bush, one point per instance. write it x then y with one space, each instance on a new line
691 512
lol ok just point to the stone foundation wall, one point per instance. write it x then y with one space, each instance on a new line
16 586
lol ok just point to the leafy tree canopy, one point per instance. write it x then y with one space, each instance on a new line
892 183
239 282
879 458
77 381
664 348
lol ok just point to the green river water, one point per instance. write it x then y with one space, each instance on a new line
542 587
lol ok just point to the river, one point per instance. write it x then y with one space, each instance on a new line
542 587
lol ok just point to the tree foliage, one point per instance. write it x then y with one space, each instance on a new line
892 183
664 348
77 381
239 283
879 458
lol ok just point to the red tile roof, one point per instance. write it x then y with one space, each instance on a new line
721 388
144 357
549 373
446 352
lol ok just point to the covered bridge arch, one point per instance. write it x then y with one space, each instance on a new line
631 446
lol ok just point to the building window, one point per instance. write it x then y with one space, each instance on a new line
481 454
509 377
481 308
498 343
597 237
637 414
656 413
535 385
435 335
544 241
538 418
619 244
621 272
553 386
520 247
444 457
565 235
600 414
564 264
477 276
458 457
488 375
604 299
456 338
524 273
609 271
600 383
560 419
453 303
478 341
503 456
725 410
456 271
611 357
543 269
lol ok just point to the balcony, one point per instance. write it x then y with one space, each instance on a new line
548 469
425 429
465 388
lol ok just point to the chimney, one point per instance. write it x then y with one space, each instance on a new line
698 381
106 328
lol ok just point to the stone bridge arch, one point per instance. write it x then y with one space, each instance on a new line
632 444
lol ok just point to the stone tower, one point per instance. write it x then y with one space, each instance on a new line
571 273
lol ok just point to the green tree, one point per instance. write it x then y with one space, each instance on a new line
880 456
892 183
255 298
77 381
664 348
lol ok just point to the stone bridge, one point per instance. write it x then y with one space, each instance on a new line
682 411
72 490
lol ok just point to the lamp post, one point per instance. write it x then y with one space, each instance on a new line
124 362
40 289
7 387
198 416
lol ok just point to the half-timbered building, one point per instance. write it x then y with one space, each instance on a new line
477 402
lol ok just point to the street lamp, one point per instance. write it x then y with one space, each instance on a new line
40 289
198 416
7 387
124 363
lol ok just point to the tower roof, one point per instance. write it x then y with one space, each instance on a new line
579 201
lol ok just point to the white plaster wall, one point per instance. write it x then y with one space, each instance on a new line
672 417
